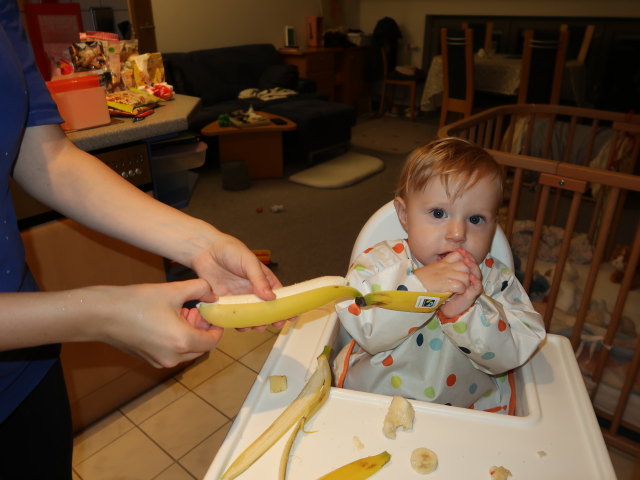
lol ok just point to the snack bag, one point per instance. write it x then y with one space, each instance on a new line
88 56
161 90
131 102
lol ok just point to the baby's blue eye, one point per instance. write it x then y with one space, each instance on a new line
437 213
475 219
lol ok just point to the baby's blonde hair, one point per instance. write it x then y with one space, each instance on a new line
455 160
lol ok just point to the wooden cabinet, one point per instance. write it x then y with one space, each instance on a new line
338 72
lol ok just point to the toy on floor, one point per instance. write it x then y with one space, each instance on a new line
264 256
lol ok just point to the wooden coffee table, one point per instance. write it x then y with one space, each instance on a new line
259 147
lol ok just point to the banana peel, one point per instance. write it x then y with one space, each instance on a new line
306 404
406 301
241 311
360 469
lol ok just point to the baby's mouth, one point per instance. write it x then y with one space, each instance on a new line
442 255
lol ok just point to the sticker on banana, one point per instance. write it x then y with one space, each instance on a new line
306 404
239 311
406 301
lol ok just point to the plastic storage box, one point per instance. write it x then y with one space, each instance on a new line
81 102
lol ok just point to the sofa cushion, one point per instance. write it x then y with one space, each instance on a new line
219 74
282 76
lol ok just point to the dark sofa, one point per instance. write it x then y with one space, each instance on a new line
218 75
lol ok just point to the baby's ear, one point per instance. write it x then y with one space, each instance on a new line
401 210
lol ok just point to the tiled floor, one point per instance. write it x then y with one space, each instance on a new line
174 431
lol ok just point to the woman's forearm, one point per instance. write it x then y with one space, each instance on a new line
144 320
79 186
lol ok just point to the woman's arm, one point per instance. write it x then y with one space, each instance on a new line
145 320
79 186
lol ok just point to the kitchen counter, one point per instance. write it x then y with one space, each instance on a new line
169 118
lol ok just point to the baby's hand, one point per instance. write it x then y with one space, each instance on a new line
451 274
463 300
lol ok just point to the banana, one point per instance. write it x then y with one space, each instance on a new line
238 311
360 469
499 473
399 414
424 461
309 400
402 300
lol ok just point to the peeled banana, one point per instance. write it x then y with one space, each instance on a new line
238 311
423 460
405 301
360 469
399 414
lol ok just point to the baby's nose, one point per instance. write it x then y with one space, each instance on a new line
456 231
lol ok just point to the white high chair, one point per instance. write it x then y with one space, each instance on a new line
553 435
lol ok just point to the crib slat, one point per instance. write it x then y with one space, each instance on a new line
568 146
592 137
528 139
595 266
535 240
578 187
548 138
616 314
497 134
629 381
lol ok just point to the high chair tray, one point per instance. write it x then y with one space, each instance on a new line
554 436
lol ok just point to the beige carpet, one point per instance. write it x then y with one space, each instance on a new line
339 172
393 135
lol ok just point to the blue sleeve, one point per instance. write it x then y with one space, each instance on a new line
42 108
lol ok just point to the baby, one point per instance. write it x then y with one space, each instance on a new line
463 354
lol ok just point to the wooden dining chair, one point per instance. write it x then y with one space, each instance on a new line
457 72
543 60
580 37
391 78
482 34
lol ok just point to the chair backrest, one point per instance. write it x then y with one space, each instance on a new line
580 37
482 34
457 63
384 225
543 60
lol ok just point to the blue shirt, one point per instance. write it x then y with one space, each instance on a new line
24 101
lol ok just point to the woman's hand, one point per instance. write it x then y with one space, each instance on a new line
231 269
149 321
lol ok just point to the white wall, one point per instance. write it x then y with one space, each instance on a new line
183 25
410 14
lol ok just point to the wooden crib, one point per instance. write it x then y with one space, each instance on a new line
570 170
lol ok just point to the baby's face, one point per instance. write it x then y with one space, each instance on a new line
436 224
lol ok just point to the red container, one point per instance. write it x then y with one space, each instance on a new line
81 102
